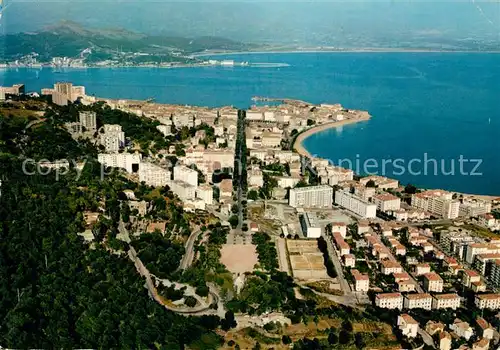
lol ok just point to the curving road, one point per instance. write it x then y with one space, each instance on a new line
188 257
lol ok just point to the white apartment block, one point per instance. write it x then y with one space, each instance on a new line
446 301
154 175
387 202
287 181
437 202
433 282
389 267
166 130
355 204
474 208
310 225
488 301
418 301
408 326
185 174
311 197
255 178
127 161
480 248
422 269
113 137
88 120
361 281
389 300
205 193
183 190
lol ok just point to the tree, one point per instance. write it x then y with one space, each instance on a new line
332 338
190 301
310 122
344 337
233 220
410 189
286 339
371 183
347 326
229 321
253 195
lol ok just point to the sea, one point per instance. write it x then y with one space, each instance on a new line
435 116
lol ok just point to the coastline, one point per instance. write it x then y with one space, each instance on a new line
360 50
298 145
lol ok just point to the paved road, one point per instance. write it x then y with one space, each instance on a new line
188 257
338 267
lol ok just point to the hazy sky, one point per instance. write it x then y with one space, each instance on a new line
266 21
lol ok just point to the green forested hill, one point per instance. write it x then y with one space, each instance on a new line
69 39
55 292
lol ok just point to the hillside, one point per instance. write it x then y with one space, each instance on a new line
69 39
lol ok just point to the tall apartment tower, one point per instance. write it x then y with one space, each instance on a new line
88 120
65 89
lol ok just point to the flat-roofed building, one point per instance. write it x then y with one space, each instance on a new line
433 282
188 175
183 190
389 300
154 175
112 138
418 301
311 197
205 192
355 204
128 161
88 120
437 202
446 301
310 225
487 301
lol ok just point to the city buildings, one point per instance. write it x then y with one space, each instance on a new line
418 301
183 190
380 182
340 227
16 89
389 267
341 244
310 225
433 282
154 175
387 202
487 301
355 204
389 300
408 325
437 202
188 175
473 208
311 197
205 192
361 281
88 120
128 161
446 301
226 188
462 329
112 137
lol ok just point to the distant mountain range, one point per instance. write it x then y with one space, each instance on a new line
69 39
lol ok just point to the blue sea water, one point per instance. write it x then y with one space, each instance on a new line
425 106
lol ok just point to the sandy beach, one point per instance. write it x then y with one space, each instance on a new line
298 144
